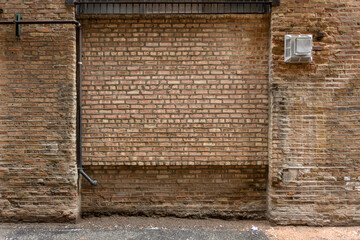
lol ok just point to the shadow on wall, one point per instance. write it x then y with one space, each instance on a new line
182 191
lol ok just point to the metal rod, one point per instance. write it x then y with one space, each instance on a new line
78 84
42 22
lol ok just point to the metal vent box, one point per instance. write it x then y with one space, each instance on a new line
298 48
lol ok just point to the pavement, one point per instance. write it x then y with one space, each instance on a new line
143 228
133 234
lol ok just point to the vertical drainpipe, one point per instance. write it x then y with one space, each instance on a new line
78 103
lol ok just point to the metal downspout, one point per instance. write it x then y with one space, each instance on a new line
78 102
78 85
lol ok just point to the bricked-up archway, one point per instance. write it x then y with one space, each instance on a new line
185 96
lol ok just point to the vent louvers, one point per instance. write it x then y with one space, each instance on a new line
174 7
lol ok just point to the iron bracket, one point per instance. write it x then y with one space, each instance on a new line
17 25
275 3
69 2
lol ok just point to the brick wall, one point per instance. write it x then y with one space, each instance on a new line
175 115
184 91
183 191
38 176
315 116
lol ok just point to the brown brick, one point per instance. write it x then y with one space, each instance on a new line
313 146
37 115
199 191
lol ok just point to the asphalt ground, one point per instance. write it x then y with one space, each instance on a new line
143 228
31 233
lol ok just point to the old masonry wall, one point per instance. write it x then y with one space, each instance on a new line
314 151
38 176
175 115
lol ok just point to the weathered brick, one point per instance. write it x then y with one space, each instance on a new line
175 113
183 191
313 146
37 115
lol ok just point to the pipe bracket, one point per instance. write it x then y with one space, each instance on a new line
17 25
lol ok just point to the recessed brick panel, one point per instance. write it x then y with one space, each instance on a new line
181 90
175 113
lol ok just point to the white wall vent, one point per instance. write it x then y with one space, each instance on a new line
298 48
